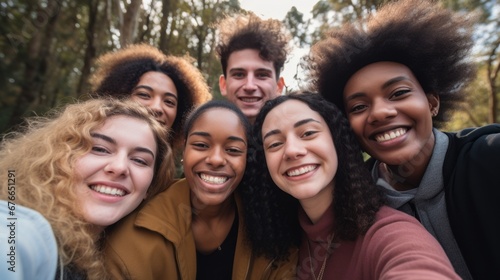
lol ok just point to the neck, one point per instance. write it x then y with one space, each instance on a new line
213 212
316 206
407 175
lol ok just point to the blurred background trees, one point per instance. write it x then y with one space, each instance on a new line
48 47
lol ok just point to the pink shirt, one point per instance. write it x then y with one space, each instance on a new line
396 246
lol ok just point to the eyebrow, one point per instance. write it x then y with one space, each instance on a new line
394 80
151 89
237 69
112 141
295 125
206 134
384 86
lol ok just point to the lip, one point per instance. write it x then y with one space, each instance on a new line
111 185
214 182
301 171
253 99
372 135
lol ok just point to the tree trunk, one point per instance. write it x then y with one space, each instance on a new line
90 51
39 51
129 27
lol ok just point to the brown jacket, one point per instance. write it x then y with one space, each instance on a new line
156 242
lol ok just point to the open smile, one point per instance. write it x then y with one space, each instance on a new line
250 99
390 135
108 190
211 179
301 170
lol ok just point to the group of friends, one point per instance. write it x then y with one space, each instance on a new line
152 179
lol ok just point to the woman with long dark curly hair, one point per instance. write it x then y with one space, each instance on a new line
311 190
398 76
171 86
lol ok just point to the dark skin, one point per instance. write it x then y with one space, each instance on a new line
212 225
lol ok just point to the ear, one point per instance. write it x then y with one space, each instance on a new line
222 85
433 100
281 85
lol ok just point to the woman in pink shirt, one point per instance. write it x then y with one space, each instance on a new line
313 192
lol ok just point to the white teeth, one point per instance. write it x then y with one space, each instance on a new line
213 179
390 135
249 99
108 190
301 170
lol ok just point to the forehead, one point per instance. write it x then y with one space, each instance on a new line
219 121
380 72
120 127
288 113
248 59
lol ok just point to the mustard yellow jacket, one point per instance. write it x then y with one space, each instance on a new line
156 242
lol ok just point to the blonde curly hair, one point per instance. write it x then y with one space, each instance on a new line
43 156
119 72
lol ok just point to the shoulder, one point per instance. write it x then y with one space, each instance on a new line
398 243
397 230
30 245
485 136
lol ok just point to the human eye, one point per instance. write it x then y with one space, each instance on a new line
170 102
142 95
263 74
357 108
400 93
273 145
96 149
309 133
140 161
238 74
235 151
199 145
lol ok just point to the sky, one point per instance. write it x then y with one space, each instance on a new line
277 9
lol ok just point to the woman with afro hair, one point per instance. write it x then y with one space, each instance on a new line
397 76
171 86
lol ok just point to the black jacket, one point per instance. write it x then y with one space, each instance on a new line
471 174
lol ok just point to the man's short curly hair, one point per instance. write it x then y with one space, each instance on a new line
119 72
248 31
433 42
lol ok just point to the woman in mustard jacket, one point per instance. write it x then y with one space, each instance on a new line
195 229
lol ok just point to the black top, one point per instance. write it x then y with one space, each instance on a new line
219 263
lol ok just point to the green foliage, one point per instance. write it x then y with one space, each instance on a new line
48 47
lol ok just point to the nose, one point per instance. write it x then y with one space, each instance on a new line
294 149
380 111
216 157
117 166
156 106
250 84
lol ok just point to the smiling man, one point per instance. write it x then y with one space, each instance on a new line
252 53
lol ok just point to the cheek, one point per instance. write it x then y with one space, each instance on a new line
273 162
143 181
82 167
139 100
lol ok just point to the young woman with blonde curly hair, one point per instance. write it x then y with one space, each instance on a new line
84 169
168 84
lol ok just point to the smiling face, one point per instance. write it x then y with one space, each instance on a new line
250 81
300 153
116 173
391 115
215 156
158 92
